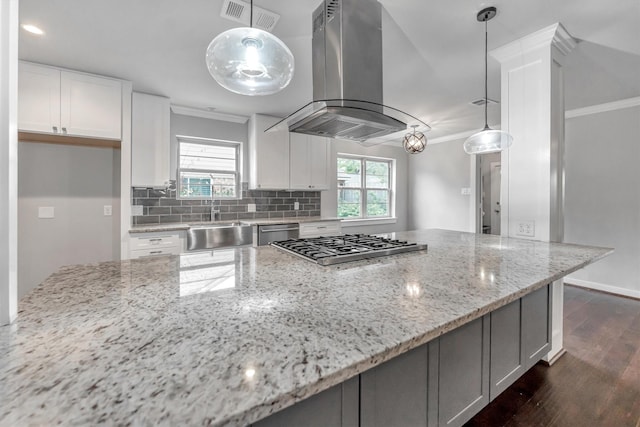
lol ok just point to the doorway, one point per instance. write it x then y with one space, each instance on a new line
490 178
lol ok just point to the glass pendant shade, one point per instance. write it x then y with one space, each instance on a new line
487 141
250 61
414 143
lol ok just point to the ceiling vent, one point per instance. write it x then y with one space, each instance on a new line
480 102
239 11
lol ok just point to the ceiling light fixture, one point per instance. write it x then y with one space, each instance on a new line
487 140
414 142
250 61
32 29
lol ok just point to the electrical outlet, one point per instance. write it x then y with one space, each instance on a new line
296 206
251 207
108 210
46 212
137 210
465 191
526 229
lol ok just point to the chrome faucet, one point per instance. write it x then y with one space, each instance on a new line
214 212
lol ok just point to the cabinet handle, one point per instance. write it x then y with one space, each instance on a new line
64 131
155 240
155 252
310 187
55 129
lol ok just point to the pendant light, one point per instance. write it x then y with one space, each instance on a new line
414 142
487 140
250 61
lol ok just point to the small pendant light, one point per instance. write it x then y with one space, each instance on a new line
250 61
414 142
487 140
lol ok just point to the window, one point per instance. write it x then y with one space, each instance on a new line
364 187
208 168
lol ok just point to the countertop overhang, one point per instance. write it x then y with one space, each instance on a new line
232 338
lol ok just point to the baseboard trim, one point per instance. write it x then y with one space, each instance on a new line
629 293
554 359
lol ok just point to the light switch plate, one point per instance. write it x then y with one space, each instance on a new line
108 210
465 191
296 206
46 212
526 229
137 210
251 207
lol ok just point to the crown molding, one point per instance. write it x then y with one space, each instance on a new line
555 35
602 108
206 114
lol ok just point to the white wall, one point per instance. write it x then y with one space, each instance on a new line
602 201
207 128
8 159
77 182
436 178
329 198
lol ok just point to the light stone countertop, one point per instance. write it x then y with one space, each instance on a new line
170 340
149 228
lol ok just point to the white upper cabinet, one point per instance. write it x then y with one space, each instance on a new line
63 102
150 140
268 154
38 98
309 162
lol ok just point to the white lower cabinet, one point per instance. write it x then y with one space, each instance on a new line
156 244
320 228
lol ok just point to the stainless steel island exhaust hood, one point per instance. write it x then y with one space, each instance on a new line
347 78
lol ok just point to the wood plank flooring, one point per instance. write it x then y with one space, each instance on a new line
596 383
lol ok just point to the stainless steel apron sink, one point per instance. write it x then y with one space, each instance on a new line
219 236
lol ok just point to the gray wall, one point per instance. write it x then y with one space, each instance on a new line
207 128
436 178
77 182
329 198
602 202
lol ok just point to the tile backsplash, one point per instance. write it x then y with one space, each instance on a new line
160 206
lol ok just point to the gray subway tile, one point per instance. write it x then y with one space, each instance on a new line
164 219
146 220
180 210
276 201
140 193
289 214
228 216
154 192
276 215
297 194
314 213
200 209
303 213
228 202
246 215
285 207
146 202
237 208
261 215
192 218
170 202
191 202
159 210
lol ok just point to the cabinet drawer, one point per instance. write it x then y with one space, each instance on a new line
151 252
322 228
159 242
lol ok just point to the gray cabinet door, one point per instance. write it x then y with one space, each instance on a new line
463 361
335 407
506 348
395 393
536 326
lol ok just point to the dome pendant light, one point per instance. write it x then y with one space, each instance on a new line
414 142
250 61
487 140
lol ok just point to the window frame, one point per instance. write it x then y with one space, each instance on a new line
363 186
210 142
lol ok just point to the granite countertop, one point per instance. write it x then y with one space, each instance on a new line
148 228
230 336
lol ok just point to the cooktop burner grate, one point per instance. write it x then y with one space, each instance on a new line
348 247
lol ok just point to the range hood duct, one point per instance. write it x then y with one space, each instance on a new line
347 78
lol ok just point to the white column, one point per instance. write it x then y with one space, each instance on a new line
8 160
533 168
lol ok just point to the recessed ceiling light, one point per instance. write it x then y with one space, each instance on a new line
33 29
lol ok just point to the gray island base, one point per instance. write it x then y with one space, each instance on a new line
256 336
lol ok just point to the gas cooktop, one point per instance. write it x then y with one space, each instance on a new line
349 247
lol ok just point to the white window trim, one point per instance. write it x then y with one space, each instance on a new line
211 141
391 219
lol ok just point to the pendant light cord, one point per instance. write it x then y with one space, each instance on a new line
251 15
486 96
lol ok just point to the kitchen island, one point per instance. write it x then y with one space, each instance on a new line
232 336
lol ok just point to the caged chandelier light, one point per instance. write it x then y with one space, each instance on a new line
414 142
250 61
487 140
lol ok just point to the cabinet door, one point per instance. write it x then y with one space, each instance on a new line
319 153
150 140
299 171
463 384
536 329
337 406
395 393
90 106
268 154
38 98
506 348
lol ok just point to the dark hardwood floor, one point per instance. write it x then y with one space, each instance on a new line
596 383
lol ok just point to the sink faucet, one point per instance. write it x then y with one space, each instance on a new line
214 212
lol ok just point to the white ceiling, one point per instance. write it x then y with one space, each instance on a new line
433 50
